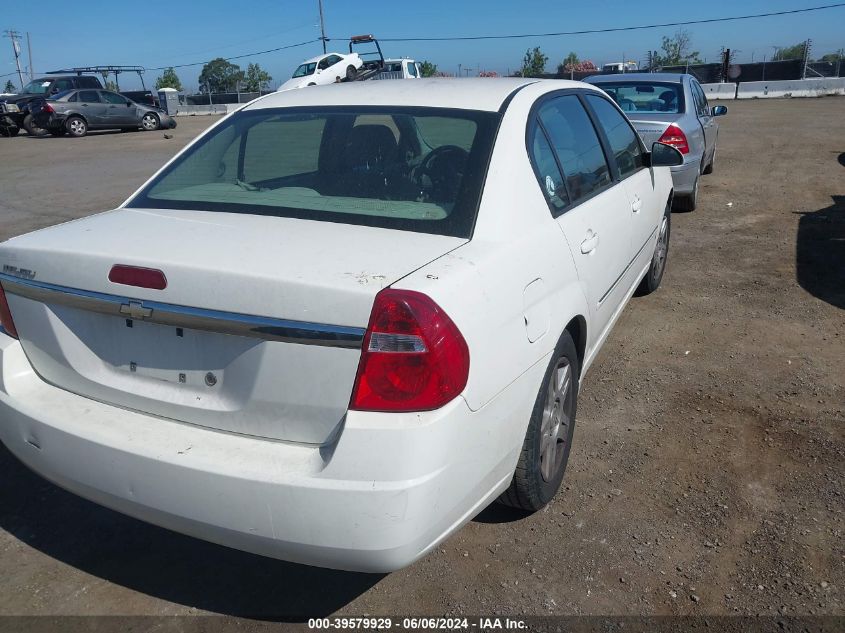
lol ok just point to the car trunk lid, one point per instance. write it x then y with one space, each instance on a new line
651 126
258 330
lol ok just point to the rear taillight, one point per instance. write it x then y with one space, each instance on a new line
137 276
47 108
414 358
675 137
6 315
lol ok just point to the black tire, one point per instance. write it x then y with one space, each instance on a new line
150 122
76 126
31 128
654 276
537 478
8 127
688 202
351 73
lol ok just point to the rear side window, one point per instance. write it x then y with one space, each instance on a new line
415 169
576 146
623 140
547 170
88 82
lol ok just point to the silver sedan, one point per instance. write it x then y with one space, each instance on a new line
670 108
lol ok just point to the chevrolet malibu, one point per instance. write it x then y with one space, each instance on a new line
332 333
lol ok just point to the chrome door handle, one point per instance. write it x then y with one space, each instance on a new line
636 205
590 242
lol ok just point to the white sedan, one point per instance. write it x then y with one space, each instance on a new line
324 69
332 333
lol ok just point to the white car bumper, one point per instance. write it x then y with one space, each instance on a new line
389 489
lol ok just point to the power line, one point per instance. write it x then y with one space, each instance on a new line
269 50
609 30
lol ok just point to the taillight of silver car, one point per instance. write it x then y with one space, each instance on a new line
6 315
675 137
414 358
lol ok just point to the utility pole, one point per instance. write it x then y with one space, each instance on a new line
29 50
322 26
807 46
16 48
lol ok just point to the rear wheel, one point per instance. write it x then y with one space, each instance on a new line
654 276
545 451
351 72
32 127
76 126
150 122
689 202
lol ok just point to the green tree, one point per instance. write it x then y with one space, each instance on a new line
168 79
534 63
796 51
833 57
677 50
10 87
569 62
219 75
428 69
257 79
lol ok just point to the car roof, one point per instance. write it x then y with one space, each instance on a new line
311 60
657 77
442 92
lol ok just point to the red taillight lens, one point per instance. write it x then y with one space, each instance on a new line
136 276
6 315
414 357
675 137
47 108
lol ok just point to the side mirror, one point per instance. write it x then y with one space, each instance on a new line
663 155
128 104
719 110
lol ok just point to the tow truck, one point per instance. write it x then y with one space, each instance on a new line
377 67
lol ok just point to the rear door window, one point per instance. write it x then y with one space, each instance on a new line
624 143
547 170
576 145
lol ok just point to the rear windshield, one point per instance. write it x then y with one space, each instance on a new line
415 169
646 97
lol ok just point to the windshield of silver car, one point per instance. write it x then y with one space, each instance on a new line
418 169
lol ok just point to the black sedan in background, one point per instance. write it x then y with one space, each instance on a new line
75 112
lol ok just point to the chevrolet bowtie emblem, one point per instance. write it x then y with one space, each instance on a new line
135 310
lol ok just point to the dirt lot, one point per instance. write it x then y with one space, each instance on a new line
707 472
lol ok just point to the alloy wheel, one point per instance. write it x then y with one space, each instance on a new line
557 413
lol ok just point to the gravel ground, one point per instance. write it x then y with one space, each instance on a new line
706 476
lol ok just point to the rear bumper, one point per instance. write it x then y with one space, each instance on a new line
385 493
683 176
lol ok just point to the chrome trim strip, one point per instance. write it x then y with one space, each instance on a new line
267 328
627 268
